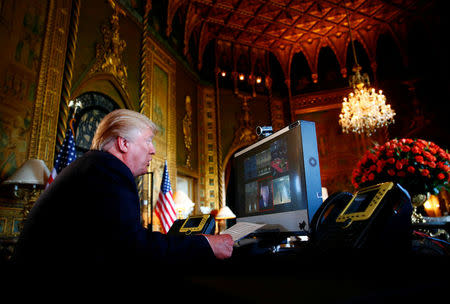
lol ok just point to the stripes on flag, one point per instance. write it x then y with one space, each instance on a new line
165 206
65 156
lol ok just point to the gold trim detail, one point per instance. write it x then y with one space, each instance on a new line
209 175
189 230
109 53
45 118
145 102
381 190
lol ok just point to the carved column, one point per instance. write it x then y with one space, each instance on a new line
68 68
144 182
221 192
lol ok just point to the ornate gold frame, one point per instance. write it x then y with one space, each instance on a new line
156 56
45 117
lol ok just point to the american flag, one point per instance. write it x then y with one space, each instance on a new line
165 206
65 156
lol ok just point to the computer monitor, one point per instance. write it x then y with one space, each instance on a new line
278 179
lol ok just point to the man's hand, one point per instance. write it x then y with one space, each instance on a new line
221 245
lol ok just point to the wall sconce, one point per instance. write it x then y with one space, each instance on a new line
241 76
28 180
223 73
258 79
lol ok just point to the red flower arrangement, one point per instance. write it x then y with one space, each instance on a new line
419 166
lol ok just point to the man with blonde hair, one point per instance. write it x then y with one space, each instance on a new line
91 212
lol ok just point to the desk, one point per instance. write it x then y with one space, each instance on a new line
305 276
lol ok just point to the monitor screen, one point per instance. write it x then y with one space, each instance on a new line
270 180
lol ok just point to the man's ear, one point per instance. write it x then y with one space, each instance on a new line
122 144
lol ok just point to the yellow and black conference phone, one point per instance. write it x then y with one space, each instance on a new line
197 224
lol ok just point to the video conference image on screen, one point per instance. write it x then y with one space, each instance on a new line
267 179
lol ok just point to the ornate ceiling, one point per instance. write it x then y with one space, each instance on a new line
254 28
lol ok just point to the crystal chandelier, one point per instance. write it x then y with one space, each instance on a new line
365 110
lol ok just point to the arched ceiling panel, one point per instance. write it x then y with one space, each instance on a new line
286 27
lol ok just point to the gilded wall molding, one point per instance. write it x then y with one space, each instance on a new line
208 150
46 109
109 53
145 103
160 60
161 109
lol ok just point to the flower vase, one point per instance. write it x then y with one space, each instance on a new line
417 200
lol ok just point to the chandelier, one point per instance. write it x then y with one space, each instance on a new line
365 110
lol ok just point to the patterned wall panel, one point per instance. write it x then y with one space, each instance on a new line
209 187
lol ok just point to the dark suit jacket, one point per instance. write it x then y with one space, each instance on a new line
91 214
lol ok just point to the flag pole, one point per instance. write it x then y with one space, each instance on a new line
150 189
165 206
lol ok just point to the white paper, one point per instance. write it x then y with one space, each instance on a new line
241 229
